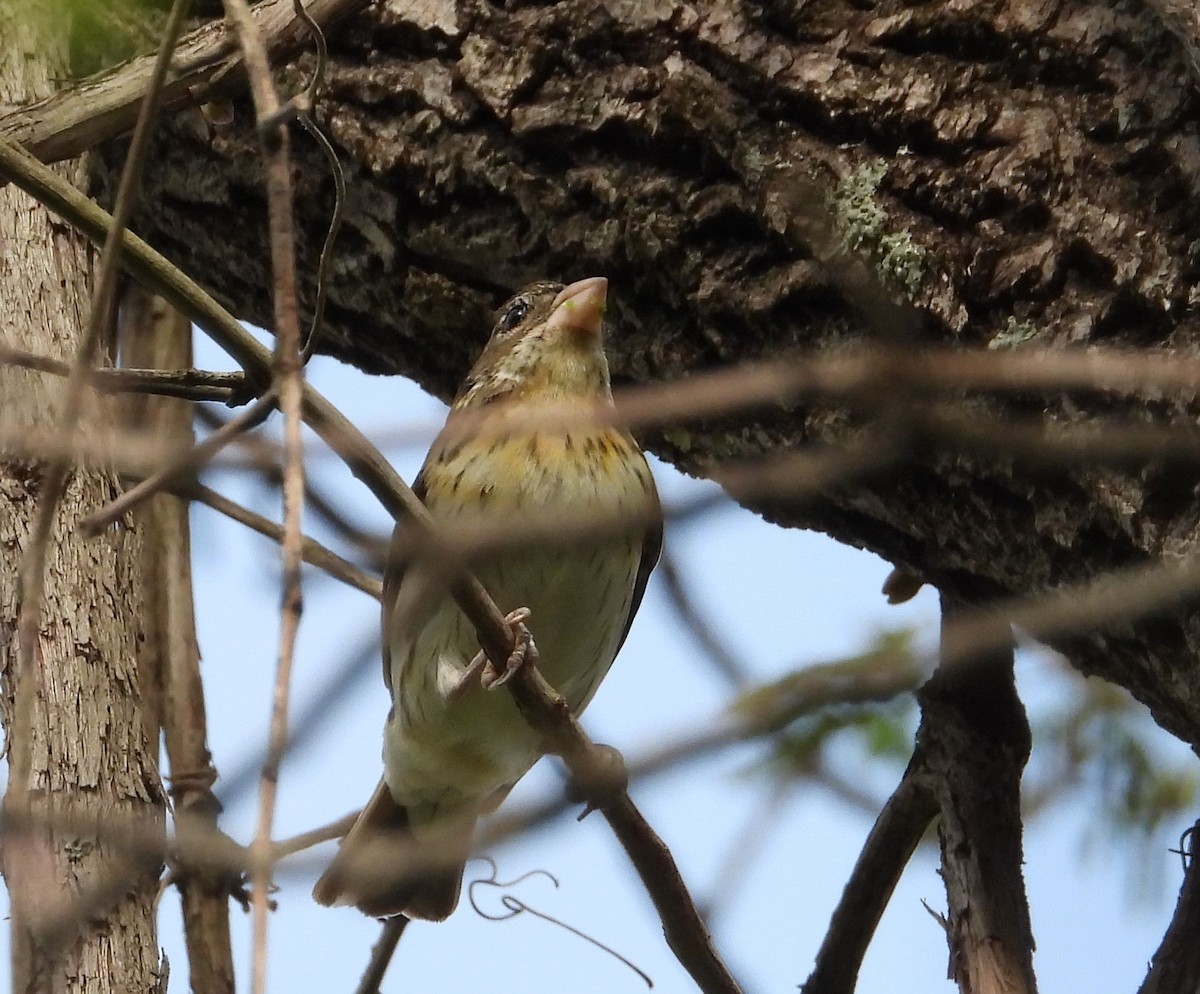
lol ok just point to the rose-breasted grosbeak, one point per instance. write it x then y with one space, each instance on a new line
452 749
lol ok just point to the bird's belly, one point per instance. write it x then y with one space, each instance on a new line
443 749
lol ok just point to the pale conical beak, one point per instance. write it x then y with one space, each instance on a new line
580 306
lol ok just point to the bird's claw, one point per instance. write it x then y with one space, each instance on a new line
524 651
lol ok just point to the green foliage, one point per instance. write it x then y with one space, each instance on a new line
1103 745
871 710
1093 745
882 731
105 33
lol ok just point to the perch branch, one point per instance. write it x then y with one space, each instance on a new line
593 771
381 955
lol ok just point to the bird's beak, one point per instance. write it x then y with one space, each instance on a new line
580 306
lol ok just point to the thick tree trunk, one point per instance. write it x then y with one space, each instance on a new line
1017 171
80 764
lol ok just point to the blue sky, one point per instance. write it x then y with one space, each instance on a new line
783 598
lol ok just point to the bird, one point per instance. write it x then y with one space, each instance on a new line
454 743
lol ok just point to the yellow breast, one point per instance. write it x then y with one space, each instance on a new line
579 591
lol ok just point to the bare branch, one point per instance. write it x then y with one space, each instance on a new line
207 66
151 333
187 384
313 552
974 741
878 675
288 385
600 775
1175 967
381 955
264 458
893 839
181 468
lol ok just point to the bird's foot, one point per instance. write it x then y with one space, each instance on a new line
484 673
524 652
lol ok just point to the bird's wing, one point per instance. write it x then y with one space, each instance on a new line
651 549
393 575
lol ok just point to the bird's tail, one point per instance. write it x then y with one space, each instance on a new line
383 869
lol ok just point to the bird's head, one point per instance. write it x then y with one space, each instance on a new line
545 345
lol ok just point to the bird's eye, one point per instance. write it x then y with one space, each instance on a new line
515 314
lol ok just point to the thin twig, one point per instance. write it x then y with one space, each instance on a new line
313 552
381 955
313 837
288 383
186 384
182 468
263 457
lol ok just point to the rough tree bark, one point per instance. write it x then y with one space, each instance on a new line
1018 171
80 765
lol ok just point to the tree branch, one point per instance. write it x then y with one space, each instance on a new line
599 773
381 955
1175 967
180 469
186 384
288 386
208 66
314 553
893 839
974 740
153 334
